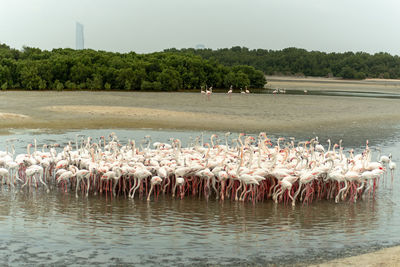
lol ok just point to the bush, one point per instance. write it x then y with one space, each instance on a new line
360 75
70 85
4 86
170 80
82 86
149 86
348 73
58 85
42 85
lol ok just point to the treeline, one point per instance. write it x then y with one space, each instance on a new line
34 69
295 61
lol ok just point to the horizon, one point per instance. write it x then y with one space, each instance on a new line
206 48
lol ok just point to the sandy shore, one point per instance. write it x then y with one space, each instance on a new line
247 113
383 257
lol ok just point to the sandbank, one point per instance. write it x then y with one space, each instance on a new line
192 111
334 84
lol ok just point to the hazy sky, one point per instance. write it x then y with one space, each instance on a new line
153 25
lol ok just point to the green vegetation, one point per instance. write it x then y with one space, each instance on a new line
295 61
185 69
34 69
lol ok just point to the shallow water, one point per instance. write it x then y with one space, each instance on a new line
59 229
325 92
345 93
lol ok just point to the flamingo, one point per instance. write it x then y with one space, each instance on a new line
284 171
139 175
5 176
383 159
179 182
230 92
80 175
113 176
209 92
155 180
392 166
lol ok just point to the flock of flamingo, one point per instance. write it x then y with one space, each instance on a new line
208 91
241 169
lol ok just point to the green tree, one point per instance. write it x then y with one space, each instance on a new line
29 77
42 85
80 73
125 78
348 72
97 82
170 80
4 86
70 85
5 75
149 86
242 79
58 85
360 75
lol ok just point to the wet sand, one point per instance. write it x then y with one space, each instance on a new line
384 257
192 111
334 84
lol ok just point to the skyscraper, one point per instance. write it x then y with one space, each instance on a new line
79 37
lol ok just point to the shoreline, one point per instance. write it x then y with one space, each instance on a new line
389 256
334 84
191 111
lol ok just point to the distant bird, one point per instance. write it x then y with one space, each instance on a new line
383 159
392 166
247 90
305 91
209 92
275 92
241 91
202 91
230 91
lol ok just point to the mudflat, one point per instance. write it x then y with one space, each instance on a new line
193 111
334 84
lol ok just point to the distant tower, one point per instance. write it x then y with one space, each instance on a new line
79 37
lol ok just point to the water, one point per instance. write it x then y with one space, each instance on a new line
336 93
345 93
325 92
59 229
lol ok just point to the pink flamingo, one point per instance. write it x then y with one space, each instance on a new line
209 92
230 92
202 91
155 180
